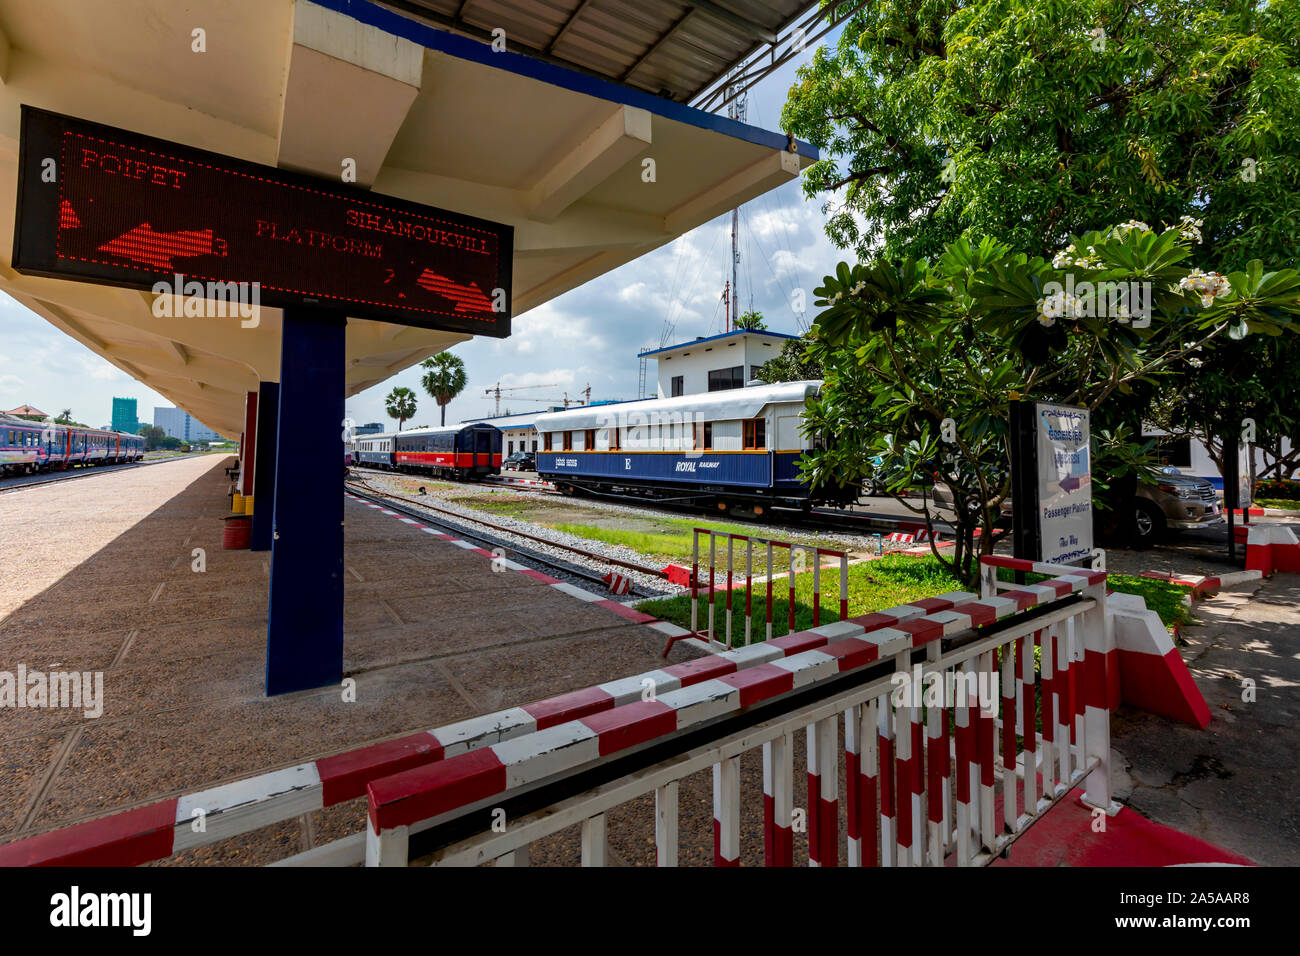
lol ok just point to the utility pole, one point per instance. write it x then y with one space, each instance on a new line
736 111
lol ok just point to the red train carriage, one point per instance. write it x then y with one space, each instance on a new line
457 451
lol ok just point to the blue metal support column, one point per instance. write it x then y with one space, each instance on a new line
268 413
304 646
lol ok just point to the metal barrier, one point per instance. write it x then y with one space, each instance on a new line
940 767
794 566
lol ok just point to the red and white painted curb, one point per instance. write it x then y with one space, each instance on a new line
1271 548
1152 673
1204 584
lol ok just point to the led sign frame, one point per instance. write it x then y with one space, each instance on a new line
99 204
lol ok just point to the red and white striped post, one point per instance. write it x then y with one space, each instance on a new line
860 759
666 824
936 733
1010 658
767 611
749 588
965 764
904 720
823 794
817 585
885 748
778 801
695 579
726 812
1028 733
1099 659
731 551
987 754
1047 673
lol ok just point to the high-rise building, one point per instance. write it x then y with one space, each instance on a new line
124 416
179 423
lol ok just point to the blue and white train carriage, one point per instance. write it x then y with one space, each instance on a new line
738 449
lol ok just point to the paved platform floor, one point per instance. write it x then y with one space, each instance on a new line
1234 783
432 635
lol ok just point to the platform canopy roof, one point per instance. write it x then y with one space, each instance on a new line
427 114
672 48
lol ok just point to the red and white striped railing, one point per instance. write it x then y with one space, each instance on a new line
798 557
921 790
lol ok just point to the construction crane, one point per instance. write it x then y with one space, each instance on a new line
499 388
585 393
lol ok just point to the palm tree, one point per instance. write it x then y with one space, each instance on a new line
400 404
444 380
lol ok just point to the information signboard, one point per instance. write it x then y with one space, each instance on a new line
99 204
1064 483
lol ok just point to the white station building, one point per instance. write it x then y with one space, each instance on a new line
714 363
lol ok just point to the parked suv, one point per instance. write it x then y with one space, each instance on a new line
521 461
1177 501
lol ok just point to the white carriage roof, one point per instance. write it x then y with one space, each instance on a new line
432 430
728 405
428 116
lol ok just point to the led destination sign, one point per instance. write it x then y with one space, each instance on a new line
99 204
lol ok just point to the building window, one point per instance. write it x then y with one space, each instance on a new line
755 434
510 448
708 436
589 439
679 387
568 442
721 379
754 372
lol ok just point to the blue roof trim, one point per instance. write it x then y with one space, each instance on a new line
714 338
465 48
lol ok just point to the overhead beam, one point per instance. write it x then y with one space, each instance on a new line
362 78
623 134
568 24
774 169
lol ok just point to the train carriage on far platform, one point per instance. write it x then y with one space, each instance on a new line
739 449
373 451
455 451
27 447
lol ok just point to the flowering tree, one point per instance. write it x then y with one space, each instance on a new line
921 357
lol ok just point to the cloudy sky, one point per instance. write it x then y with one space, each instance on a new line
590 336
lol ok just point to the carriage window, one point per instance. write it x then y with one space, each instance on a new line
708 436
589 439
755 433
568 441
615 439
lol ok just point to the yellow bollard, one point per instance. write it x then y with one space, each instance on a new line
237 503
248 505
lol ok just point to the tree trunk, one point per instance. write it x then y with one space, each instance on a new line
443 409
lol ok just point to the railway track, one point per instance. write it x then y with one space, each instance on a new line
455 522
21 482
817 519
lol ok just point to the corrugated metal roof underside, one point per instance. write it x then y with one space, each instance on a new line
673 48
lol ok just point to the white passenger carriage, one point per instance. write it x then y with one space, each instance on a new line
739 446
